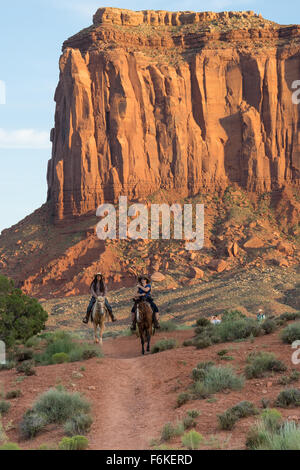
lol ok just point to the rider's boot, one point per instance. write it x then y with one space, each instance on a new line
113 318
156 321
133 322
86 318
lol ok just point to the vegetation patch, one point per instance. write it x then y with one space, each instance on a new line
291 333
261 364
216 379
163 345
243 409
288 398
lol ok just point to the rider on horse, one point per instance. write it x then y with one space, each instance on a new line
144 292
98 288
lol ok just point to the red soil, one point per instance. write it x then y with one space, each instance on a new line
134 396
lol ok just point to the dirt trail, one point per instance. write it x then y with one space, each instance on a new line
127 408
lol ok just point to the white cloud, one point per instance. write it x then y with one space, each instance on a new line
24 139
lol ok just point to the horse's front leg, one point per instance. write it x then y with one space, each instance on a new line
143 344
96 341
148 342
101 332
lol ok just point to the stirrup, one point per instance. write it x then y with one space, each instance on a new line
85 320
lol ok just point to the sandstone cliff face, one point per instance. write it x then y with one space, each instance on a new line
184 101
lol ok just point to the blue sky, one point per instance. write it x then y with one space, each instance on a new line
31 34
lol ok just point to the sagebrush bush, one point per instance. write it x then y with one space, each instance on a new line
182 399
32 423
288 379
169 431
217 379
290 316
269 326
192 440
168 325
189 422
261 363
13 394
79 424
243 409
60 358
202 321
4 407
291 333
193 413
163 345
74 443
288 398
59 405
26 368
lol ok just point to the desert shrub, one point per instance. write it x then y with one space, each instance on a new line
26 368
217 379
4 407
288 379
291 333
192 440
202 321
243 409
288 398
10 446
188 342
21 316
60 358
24 354
63 346
189 422
13 394
168 325
163 345
193 413
202 342
32 423
232 330
182 399
169 431
261 363
222 353
59 405
74 443
269 326
271 419
289 316
79 424
232 315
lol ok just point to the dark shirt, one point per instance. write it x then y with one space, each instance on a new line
146 294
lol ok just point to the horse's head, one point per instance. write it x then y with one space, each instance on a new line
100 302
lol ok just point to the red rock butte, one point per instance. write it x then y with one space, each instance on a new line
186 101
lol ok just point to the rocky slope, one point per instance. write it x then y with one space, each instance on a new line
186 101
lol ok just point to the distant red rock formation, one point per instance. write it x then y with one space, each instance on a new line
176 100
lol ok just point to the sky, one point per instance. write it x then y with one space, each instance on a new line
31 35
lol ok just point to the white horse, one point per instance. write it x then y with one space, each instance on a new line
99 315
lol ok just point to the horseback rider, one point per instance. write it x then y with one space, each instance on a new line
98 288
144 292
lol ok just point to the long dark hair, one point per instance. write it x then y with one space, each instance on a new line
102 282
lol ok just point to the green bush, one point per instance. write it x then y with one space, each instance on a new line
243 409
288 379
26 368
203 342
10 446
13 394
288 398
189 422
217 379
289 316
59 405
20 316
193 413
168 326
192 440
291 333
271 419
24 354
4 407
61 346
269 326
60 358
79 424
202 321
232 315
74 443
163 345
182 399
169 431
32 423
261 363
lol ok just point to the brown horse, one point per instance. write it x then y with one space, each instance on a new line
99 315
144 318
